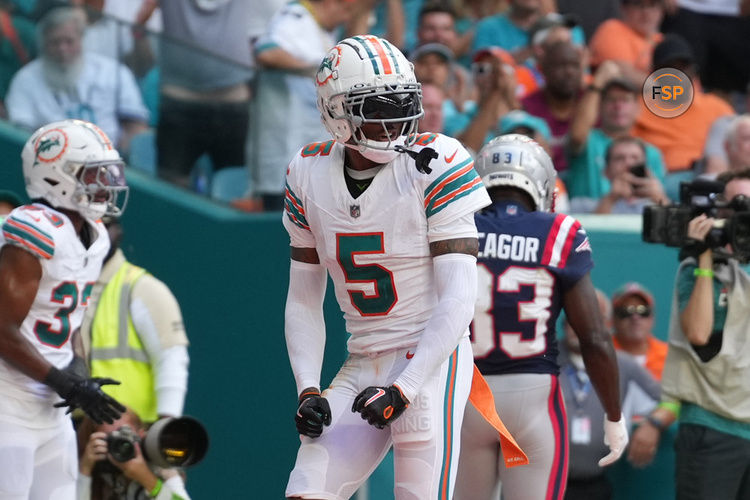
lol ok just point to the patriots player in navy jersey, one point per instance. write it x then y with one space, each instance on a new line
531 264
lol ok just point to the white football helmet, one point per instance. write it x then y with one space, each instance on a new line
365 79
72 164
516 160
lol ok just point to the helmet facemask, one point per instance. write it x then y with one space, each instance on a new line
100 188
394 110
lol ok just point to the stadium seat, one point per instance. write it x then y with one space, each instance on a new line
230 183
143 152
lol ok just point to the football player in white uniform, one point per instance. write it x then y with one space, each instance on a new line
389 215
51 252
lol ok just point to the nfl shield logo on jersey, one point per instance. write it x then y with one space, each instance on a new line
354 211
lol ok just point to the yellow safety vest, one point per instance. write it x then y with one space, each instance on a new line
116 349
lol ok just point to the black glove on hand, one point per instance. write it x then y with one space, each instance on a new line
312 414
86 394
380 405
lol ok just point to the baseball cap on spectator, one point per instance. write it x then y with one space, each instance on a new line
620 83
432 48
672 49
541 28
518 118
632 288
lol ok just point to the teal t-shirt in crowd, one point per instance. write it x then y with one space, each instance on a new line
585 176
501 32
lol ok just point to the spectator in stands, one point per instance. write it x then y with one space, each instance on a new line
737 143
681 139
433 102
437 26
393 19
468 14
556 102
632 184
633 312
586 479
717 31
613 103
630 40
496 83
434 63
133 331
707 368
205 67
66 82
17 46
550 29
509 30
103 477
297 39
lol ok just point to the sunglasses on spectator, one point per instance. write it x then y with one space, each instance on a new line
632 310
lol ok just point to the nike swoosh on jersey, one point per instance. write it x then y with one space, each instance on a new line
449 159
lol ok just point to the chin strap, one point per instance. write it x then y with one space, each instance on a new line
421 158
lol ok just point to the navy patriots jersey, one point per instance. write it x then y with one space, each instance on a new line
526 261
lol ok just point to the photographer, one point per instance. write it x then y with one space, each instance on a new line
707 368
102 477
633 185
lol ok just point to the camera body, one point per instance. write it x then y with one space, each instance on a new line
169 442
668 224
121 443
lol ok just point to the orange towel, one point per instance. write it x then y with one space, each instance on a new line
483 400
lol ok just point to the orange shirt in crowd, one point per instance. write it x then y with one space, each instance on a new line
656 355
617 41
681 139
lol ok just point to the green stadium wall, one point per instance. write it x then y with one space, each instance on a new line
229 272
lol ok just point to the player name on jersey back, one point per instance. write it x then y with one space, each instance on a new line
505 246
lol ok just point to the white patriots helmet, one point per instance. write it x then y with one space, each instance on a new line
72 164
365 79
516 160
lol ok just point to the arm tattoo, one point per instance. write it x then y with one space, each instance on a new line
309 255
468 246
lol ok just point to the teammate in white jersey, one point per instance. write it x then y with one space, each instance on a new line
389 215
51 252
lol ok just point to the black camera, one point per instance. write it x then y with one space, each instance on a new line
121 443
169 442
668 224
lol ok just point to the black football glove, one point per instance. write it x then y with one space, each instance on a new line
380 405
312 414
86 394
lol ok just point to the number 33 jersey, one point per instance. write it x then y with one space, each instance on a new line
376 246
526 261
69 271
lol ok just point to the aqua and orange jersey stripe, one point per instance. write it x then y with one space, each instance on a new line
438 184
446 200
29 236
448 407
294 209
453 185
23 243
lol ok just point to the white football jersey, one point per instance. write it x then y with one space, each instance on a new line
69 272
376 246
